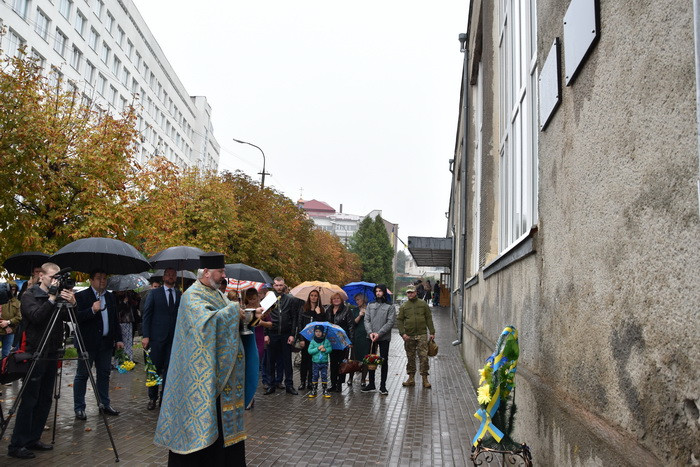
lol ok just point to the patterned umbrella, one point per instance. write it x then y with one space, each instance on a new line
334 333
236 285
126 282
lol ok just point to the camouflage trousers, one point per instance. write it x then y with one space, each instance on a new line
419 345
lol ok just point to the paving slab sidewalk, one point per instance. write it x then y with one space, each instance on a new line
410 426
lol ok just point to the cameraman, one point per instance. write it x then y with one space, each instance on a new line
38 305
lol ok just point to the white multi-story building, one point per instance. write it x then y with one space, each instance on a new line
104 49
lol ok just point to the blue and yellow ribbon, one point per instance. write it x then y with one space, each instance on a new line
497 359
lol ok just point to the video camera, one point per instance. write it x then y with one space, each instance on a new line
65 282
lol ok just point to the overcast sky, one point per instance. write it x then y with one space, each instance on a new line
354 103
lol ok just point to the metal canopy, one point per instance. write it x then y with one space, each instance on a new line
431 251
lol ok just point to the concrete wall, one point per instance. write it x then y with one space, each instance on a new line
607 306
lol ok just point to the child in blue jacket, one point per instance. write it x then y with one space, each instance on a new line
319 349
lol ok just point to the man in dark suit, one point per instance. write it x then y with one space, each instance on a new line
99 326
158 327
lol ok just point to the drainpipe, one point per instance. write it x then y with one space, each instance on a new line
463 38
696 22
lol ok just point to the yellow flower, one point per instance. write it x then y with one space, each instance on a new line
484 394
484 373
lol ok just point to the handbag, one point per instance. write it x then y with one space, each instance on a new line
349 366
15 366
432 348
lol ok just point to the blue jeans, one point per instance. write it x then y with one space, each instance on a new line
319 370
103 367
7 342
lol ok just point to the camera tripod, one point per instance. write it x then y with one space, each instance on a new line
62 308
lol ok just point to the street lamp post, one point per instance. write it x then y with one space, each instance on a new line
263 173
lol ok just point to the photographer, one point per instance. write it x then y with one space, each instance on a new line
38 305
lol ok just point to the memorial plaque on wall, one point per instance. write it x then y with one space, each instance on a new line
550 85
581 31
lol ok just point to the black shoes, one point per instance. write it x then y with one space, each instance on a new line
39 446
292 391
21 453
301 387
369 388
80 415
110 411
151 404
383 391
270 390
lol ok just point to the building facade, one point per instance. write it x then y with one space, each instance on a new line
104 50
574 216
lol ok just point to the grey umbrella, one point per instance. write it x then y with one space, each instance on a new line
107 254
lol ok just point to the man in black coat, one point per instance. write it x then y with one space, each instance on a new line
280 338
158 327
99 326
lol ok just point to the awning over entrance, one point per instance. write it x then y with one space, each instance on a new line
431 251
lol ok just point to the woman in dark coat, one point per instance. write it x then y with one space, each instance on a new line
360 342
339 314
312 311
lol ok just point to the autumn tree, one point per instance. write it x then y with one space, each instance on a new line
371 243
64 164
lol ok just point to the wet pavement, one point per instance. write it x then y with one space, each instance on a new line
410 426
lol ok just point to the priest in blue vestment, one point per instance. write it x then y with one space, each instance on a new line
201 417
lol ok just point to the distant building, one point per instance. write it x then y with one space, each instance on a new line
341 224
104 50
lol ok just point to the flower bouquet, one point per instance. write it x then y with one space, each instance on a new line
372 361
124 363
152 377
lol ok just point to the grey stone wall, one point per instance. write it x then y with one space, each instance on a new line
607 307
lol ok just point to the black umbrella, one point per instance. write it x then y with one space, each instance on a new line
178 257
23 263
107 254
243 272
126 282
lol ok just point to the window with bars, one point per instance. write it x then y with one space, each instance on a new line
518 146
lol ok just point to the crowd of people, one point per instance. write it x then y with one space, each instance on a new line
174 326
